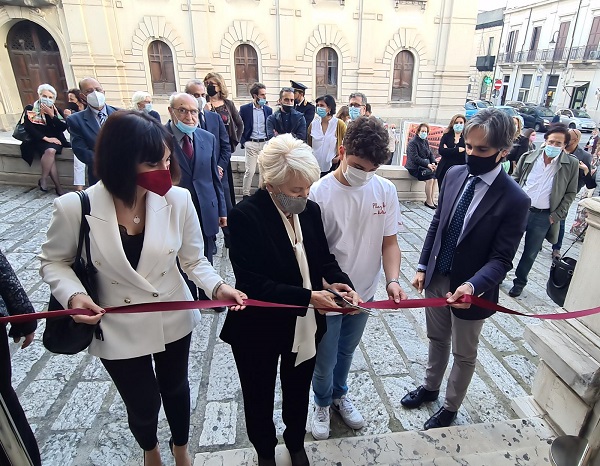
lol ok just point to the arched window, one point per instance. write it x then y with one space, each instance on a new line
246 69
162 71
404 66
327 72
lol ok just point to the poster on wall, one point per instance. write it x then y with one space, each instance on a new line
409 130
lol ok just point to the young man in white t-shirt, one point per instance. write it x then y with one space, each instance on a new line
361 216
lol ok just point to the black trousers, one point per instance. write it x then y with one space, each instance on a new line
142 389
257 369
12 402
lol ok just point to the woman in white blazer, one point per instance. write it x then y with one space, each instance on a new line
139 227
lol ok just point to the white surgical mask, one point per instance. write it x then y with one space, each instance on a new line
356 177
201 103
96 99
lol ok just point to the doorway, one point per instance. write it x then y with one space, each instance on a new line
579 95
35 60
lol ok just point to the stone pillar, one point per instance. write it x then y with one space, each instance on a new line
567 382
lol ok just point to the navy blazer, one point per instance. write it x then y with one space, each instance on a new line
488 244
296 125
203 180
84 128
246 113
215 125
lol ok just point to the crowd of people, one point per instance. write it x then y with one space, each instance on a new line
321 224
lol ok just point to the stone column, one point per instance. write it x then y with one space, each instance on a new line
567 382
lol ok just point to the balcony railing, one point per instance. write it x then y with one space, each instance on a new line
485 63
556 55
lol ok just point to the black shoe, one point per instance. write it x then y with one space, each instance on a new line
172 446
299 458
219 309
245 197
419 396
443 418
430 206
266 461
515 291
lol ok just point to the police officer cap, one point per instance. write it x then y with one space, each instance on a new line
298 86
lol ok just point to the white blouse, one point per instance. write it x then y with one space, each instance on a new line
324 145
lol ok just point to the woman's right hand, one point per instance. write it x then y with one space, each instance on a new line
83 301
52 140
322 299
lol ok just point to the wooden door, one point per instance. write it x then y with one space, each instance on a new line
246 69
563 32
593 40
35 60
327 72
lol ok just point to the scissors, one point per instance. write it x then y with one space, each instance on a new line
343 302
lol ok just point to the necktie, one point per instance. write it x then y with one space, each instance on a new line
187 147
444 262
101 118
202 121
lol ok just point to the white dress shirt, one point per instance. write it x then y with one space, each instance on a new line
259 129
539 182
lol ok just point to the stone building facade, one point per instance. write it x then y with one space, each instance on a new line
411 57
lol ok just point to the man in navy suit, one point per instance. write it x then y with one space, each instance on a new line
196 153
469 248
84 126
254 115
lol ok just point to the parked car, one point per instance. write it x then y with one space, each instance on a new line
518 104
510 111
473 106
538 118
574 118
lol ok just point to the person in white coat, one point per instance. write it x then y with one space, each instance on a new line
139 226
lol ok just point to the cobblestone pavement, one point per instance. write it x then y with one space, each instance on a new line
80 420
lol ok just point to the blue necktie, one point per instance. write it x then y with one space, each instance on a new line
101 118
444 261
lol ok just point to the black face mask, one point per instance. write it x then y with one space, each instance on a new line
211 90
480 165
286 108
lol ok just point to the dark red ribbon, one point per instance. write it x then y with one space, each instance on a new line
385 304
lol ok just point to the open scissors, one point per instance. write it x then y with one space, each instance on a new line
343 302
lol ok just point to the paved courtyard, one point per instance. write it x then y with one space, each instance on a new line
79 419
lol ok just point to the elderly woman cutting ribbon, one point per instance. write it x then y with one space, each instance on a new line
279 254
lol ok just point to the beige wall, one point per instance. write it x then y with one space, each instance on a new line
110 40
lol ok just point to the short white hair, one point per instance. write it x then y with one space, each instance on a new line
46 87
139 96
285 156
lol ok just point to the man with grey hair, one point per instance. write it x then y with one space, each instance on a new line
472 240
357 105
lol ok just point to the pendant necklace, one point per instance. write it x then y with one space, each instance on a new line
136 219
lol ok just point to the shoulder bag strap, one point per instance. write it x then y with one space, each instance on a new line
575 240
84 233
21 120
82 226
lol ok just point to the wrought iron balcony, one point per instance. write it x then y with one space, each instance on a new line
485 62
556 55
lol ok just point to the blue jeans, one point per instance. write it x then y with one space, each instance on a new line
334 356
561 235
538 225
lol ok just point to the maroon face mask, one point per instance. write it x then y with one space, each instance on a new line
157 181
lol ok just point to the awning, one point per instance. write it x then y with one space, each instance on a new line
578 83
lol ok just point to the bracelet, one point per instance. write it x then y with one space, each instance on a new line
72 296
393 280
420 270
216 288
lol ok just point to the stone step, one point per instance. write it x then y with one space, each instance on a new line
520 441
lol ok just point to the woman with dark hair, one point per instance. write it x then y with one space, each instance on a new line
452 147
76 104
530 134
140 228
45 124
325 134
217 92
420 162
520 146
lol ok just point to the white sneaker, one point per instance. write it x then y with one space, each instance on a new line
320 423
349 413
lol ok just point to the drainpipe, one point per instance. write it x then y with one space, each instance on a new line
278 37
570 48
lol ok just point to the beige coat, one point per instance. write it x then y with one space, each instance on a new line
172 231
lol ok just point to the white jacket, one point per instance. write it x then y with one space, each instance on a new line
172 231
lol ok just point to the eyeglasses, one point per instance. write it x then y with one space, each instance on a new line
184 111
355 104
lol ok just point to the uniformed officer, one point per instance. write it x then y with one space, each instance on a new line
302 105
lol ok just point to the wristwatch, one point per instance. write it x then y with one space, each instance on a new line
420 270
393 280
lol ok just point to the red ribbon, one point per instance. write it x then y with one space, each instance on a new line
385 304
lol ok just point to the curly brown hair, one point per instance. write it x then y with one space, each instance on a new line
368 139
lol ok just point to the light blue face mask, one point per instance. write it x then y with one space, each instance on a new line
552 151
262 102
47 101
458 127
322 112
354 112
423 135
147 108
185 129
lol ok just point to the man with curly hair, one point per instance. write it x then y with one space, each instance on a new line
361 216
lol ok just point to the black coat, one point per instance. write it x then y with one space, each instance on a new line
450 155
54 128
266 269
418 154
294 123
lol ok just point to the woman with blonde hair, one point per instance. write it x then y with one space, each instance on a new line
217 93
279 253
452 147
520 145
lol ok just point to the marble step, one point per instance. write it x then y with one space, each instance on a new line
519 441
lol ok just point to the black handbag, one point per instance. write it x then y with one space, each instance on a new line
425 172
63 335
561 273
20 133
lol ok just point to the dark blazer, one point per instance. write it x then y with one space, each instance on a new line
418 154
14 301
488 244
54 128
202 180
154 114
520 146
450 155
296 125
266 269
246 112
84 128
214 125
